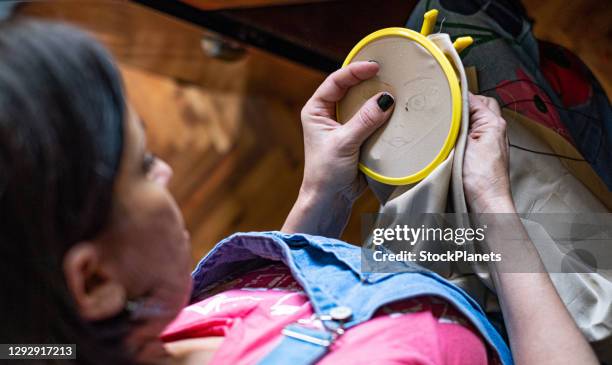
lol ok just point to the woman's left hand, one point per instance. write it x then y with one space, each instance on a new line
332 181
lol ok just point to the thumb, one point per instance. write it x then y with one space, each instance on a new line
374 113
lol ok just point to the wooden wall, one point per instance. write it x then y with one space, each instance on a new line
231 130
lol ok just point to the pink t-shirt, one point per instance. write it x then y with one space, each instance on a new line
251 311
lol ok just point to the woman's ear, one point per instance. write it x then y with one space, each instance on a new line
98 293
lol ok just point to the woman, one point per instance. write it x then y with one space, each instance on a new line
95 248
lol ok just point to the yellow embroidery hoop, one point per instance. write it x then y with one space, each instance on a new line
453 82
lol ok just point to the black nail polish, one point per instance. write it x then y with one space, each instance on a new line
385 101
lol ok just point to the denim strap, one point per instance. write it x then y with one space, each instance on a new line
300 346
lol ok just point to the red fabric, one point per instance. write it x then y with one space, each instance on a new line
523 95
567 75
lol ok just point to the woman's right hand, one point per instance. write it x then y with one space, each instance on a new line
332 180
331 148
486 179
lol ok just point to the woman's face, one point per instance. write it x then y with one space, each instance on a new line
142 261
151 241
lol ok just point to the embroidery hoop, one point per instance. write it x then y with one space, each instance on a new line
453 83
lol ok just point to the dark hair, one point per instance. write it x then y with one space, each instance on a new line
62 111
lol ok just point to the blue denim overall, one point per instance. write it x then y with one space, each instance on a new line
341 295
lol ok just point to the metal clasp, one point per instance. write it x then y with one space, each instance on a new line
332 323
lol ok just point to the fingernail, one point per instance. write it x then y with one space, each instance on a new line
373 61
385 101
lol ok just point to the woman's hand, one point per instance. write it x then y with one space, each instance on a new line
487 188
486 179
332 149
332 181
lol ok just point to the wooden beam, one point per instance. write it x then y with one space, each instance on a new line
149 40
232 4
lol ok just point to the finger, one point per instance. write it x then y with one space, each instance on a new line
474 100
476 105
489 103
493 105
374 113
479 111
337 84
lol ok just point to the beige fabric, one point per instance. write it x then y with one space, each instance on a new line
432 193
540 184
580 169
405 145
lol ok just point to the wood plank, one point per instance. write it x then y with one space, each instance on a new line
149 40
232 4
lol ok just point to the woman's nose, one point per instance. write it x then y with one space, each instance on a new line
161 172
